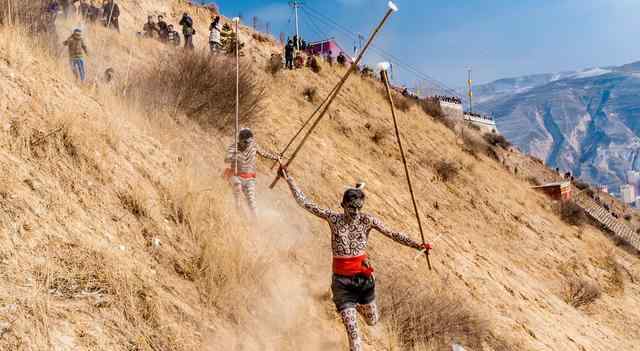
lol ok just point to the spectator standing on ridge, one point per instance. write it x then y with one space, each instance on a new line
245 156
288 54
93 12
341 59
187 30
150 28
353 283
173 36
77 50
163 29
214 35
110 14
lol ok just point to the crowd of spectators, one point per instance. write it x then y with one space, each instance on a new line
450 99
477 115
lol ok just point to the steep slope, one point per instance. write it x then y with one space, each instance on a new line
118 233
585 122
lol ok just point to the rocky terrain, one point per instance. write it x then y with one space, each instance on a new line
118 232
586 122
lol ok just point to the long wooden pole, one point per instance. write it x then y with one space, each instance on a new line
352 68
237 126
385 79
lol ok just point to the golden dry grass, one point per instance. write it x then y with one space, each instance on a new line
81 272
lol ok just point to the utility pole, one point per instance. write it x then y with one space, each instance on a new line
296 5
470 91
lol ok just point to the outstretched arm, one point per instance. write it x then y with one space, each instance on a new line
396 236
266 154
303 201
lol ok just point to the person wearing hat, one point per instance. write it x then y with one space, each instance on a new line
353 283
244 181
77 50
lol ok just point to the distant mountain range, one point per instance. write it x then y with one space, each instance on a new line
586 122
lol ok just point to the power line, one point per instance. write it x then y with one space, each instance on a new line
319 16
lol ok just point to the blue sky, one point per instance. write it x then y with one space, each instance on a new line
497 38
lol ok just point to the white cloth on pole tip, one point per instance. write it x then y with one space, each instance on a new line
384 66
393 6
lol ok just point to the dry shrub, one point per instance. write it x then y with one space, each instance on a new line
447 170
229 269
497 140
571 213
614 276
200 85
424 316
314 65
580 184
534 181
473 144
403 104
133 201
32 14
76 270
432 107
275 65
310 94
262 38
380 134
580 292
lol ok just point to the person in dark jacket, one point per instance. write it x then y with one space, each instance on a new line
187 30
163 30
288 54
341 59
110 14
150 29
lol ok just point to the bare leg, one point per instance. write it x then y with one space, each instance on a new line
370 313
350 320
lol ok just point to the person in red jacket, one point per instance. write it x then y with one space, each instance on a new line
353 283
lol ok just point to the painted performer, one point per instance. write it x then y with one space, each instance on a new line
245 180
353 283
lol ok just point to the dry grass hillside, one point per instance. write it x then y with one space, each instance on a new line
117 231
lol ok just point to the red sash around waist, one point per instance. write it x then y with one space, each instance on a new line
351 266
228 173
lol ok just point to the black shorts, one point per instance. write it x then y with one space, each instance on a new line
348 292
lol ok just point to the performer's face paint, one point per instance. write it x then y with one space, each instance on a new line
243 144
352 208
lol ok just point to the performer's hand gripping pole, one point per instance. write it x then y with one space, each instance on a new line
384 67
392 8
